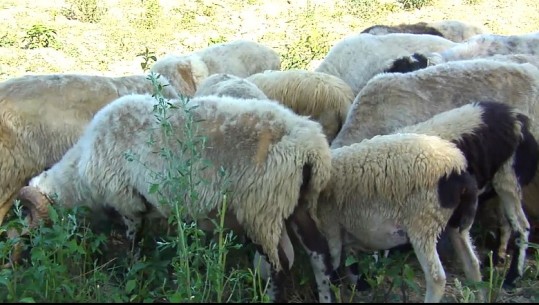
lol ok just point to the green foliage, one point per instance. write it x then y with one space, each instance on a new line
386 274
152 13
369 9
8 39
471 2
84 10
313 43
414 4
40 36
147 56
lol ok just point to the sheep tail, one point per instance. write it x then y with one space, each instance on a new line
459 192
316 176
527 153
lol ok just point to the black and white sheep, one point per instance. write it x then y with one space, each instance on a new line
357 58
392 101
42 116
453 30
397 189
502 156
275 164
322 97
239 57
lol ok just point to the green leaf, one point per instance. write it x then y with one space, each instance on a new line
175 298
350 260
154 187
131 284
27 300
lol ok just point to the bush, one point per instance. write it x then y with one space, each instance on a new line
414 4
40 36
84 10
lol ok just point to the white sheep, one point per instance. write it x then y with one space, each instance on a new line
486 45
323 97
44 115
397 189
275 164
502 155
239 57
222 84
357 58
395 100
418 61
453 30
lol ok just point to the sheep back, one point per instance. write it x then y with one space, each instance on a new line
455 30
357 58
221 84
413 28
389 167
240 58
394 100
323 97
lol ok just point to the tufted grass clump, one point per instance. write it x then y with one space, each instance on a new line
90 11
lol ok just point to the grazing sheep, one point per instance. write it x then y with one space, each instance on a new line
410 28
502 156
222 84
239 57
323 97
453 30
418 61
457 31
511 48
356 59
394 100
397 189
42 116
275 164
492 44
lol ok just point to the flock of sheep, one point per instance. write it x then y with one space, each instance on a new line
396 136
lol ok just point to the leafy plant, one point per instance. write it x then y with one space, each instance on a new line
91 11
40 36
414 4
147 56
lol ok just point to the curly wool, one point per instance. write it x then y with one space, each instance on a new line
323 97
222 84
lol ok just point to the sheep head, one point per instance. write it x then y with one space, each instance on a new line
37 205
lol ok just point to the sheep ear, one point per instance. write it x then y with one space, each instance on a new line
186 73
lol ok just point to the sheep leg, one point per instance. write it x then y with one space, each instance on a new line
464 249
428 257
505 183
274 279
134 225
505 235
317 249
